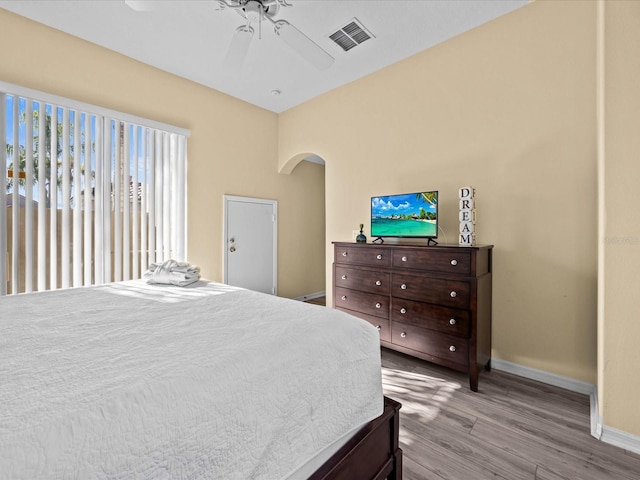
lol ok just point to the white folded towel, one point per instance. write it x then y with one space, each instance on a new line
172 273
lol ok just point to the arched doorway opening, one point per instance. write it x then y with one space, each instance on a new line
312 166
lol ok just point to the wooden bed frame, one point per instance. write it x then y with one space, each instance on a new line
372 454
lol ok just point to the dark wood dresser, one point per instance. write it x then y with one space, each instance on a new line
431 302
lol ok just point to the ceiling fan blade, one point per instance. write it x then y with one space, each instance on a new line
238 48
143 5
303 45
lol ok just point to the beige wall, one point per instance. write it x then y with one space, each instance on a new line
232 148
511 111
620 327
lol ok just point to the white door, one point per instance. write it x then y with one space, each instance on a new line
251 243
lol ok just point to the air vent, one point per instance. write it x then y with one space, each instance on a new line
351 35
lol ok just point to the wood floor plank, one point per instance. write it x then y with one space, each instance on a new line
472 450
568 440
512 428
414 471
442 462
540 452
544 474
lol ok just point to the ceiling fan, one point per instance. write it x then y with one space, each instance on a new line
255 12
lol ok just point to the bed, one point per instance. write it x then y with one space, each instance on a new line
137 381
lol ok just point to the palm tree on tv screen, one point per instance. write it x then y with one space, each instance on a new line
430 197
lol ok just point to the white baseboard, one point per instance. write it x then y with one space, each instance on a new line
311 296
545 377
596 421
621 439
602 432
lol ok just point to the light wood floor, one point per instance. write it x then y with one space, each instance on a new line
318 301
512 428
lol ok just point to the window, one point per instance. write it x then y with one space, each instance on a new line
90 195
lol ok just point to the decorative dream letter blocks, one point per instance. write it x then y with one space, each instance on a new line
467 216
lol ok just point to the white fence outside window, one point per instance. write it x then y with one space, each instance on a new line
89 195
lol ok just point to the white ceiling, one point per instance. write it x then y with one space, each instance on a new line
190 38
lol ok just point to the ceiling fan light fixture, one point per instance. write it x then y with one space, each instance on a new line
253 10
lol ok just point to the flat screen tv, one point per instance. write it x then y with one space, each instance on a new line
407 215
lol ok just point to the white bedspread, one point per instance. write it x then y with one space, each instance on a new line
137 381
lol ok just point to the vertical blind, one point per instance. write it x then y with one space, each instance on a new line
90 195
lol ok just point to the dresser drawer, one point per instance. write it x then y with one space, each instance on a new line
370 256
441 291
369 303
365 280
382 324
446 347
433 317
454 261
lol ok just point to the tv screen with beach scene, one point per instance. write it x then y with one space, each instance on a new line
407 215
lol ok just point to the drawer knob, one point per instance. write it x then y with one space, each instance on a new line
379 257
378 305
454 262
452 348
344 254
403 310
403 286
403 334
404 259
453 294
452 321
344 297
378 282
344 277
378 327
